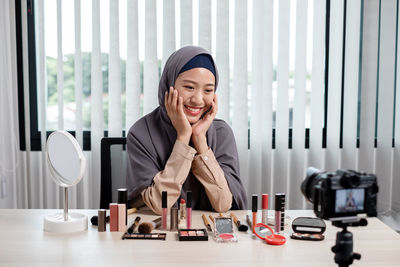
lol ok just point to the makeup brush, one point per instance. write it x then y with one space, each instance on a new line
207 224
134 225
95 220
147 227
132 210
241 227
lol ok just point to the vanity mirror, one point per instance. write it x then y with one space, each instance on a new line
67 165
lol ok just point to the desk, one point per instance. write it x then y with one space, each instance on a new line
24 243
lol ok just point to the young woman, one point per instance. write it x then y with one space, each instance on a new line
180 146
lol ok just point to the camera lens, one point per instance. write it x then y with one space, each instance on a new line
307 187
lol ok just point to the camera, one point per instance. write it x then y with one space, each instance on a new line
343 193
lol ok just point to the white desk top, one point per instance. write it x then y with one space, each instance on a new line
24 243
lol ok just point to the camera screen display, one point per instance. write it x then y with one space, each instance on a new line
349 200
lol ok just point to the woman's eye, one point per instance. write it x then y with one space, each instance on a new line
189 87
209 90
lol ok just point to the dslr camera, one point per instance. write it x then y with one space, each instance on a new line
342 193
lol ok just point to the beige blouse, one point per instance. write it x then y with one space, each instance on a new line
205 168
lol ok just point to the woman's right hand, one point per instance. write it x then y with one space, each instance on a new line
174 105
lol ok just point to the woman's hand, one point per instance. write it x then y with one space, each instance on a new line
200 128
174 105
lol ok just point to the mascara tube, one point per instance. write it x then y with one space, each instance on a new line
254 208
279 206
164 210
264 208
189 209
123 199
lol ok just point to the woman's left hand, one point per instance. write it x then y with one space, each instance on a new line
200 128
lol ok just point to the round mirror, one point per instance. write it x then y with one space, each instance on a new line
67 166
65 159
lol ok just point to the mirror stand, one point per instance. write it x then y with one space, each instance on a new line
66 222
67 165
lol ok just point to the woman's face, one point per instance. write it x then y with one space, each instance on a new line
196 87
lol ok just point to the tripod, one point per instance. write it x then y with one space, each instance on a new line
343 248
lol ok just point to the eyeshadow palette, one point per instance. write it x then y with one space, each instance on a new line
151 236
192 235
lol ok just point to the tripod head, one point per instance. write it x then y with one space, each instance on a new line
343 249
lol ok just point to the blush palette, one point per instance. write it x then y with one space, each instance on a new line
192 235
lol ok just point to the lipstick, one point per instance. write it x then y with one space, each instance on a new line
279 212
123 199
264 204
254 208
164 210
189 209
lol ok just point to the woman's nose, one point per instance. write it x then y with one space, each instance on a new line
197 98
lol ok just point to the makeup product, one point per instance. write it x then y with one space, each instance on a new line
307 228
174 219
123 199
135 223
254 208
189 209
206 223
121 217
113 217
192 235
249 222
264 206
95 220
164 210
211 218
279 212
152 236
223 230
266 233
101 220
182 209
131 211
241 227
147 227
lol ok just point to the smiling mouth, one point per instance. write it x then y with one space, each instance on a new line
192 110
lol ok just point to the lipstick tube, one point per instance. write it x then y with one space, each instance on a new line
164 210
264 208
254 208
123 199
189 209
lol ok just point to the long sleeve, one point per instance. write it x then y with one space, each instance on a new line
171 178
208 171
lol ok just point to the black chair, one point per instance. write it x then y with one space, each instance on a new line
109 169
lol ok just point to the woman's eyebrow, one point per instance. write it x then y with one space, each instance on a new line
190 81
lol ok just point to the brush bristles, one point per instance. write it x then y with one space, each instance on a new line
145 228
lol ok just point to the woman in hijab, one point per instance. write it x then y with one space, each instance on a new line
180 146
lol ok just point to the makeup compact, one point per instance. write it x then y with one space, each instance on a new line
192 235
223 230
151 236
308 228
266 233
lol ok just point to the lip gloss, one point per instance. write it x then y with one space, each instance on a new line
164 210
279 208
264 208
189 209
254 208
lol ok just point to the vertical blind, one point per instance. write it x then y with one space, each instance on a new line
283 67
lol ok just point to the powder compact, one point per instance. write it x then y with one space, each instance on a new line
192 235
308 228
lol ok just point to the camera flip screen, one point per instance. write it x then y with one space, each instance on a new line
349 200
